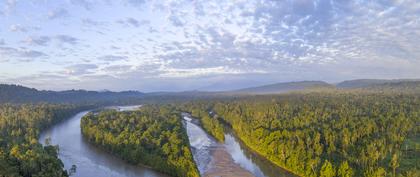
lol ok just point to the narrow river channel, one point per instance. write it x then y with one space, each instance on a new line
231 158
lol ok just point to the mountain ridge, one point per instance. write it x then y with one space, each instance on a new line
11 93
283 87
363 83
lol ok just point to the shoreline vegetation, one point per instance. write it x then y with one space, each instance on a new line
212 120
152 136
210 124
20 152
222 162
261 156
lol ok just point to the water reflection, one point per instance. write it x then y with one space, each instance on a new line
202 145
238 155
256 164
90 161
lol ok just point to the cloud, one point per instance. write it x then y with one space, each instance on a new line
117 69
40 79
80 69
2 42
66 39
38 40
9 6
186 41
83 3
46 40
112 58
32 54
137 3
133 22
196 72
57 13
91 22
17 28
20 54
176 21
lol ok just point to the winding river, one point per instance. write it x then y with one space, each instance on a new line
89 160
230 158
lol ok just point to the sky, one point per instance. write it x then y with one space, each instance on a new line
177 45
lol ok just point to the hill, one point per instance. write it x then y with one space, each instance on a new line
283 87
401 86
21 94
364 83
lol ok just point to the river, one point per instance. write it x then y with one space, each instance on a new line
90 161
230 158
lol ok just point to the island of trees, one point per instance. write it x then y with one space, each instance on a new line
152 136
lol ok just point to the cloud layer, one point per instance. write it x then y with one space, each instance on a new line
184 45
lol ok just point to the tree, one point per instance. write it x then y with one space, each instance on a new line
20 152
345 170
379 172
327 170
394 163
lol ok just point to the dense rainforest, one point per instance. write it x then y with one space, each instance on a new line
153 136
341 133
20 152
369 131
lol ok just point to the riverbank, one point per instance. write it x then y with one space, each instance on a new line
89 160
223 165
269 168
211 157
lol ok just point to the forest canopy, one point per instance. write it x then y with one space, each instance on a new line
153 136
340 133
20 152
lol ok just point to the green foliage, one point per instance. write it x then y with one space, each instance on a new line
345 170
153 136
214 127
20 152
379 172
327 170
410 153
356 131
394 163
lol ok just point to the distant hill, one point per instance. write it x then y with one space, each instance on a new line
283 87
364 83
21 94
397 86
227 85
